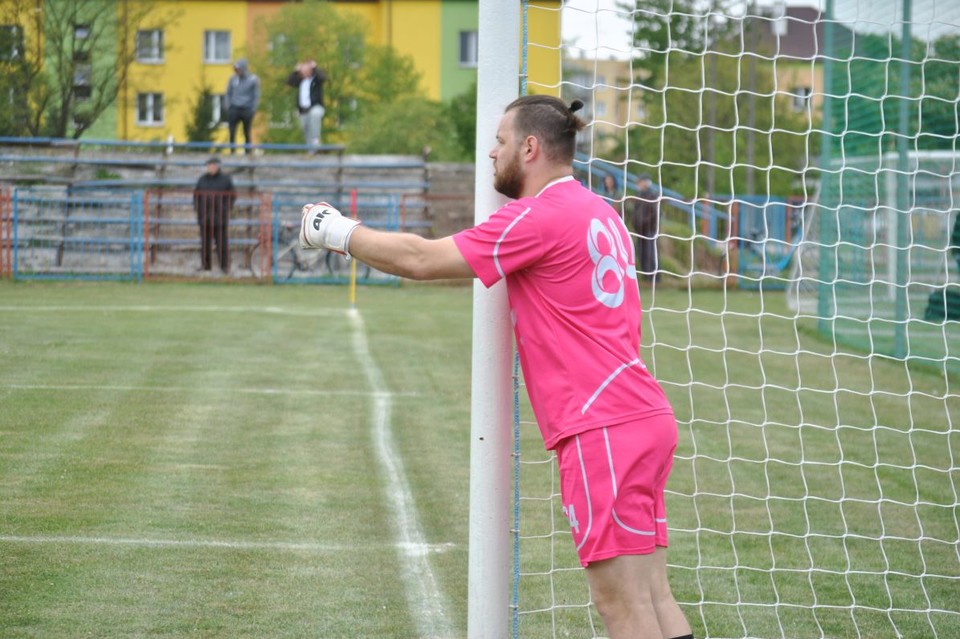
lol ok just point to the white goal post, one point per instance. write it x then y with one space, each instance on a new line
491 396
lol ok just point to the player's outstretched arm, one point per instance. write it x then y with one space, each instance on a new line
403 254
409 255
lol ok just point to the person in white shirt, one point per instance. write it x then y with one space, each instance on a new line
308 80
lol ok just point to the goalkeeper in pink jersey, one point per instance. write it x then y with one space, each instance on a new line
569 267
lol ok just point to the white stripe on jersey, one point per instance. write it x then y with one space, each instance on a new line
606 383
496 248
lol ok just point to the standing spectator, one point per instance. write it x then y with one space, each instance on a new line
241 100
610 192
644 217
308 80
213 199
608 189
575 309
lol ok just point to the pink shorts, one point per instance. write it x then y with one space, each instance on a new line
612 482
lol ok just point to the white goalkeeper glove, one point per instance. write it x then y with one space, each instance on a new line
323 226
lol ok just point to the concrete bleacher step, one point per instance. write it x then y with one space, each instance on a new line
440 195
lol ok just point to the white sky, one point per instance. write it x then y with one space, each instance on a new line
602 29
584 23
602 25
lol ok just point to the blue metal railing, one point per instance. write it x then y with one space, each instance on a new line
60 235
68 237
764 231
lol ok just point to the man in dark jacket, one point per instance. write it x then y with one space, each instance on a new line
644 217
308 80
212 199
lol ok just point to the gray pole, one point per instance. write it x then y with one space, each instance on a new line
754 44
828 213
903 188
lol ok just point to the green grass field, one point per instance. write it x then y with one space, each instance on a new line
217 460
190 460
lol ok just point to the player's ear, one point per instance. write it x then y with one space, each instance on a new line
530 148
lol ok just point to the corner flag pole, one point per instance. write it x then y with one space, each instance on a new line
489 588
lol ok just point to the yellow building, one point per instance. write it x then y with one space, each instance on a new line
610 94
180 48
188 44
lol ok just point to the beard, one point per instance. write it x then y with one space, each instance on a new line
508 180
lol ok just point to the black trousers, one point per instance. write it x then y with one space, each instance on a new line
646 255
214 231
239 115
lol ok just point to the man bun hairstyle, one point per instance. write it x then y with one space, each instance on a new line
551 121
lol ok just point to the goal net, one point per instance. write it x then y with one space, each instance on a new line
806 167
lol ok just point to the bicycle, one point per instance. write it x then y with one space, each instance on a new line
288 258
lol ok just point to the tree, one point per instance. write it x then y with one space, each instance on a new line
675 132
409 125
867 71
663 25
383 76
709 94
75 57
360 76
201 125
938 82
462 111
22 82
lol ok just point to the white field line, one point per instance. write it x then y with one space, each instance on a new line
183 389
146 542
427 603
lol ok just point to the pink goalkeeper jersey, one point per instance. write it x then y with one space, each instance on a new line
572 288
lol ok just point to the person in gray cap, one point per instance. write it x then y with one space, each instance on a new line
241 100
213 198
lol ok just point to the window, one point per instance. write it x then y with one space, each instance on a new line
217 112
81 31
216 46
579 78
600 109
11 42
150 45
468 48
800 98
82 74
149 108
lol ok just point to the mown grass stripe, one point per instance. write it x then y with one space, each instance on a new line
184 389
146 542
